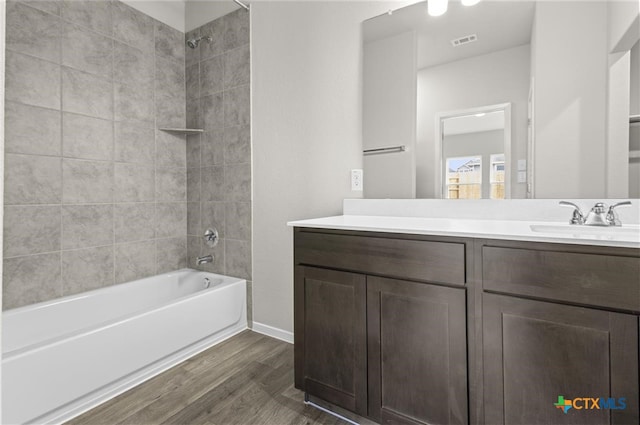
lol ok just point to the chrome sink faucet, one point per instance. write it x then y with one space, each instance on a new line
599 215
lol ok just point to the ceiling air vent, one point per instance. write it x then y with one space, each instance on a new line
464 40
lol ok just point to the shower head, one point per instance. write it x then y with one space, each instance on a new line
193 42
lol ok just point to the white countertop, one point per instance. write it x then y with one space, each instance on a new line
488 229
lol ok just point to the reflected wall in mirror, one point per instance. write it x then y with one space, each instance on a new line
568 70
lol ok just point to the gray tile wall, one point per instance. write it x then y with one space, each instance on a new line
219 160
94 194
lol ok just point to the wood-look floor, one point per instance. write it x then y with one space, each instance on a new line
247 379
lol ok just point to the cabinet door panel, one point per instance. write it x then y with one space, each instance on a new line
334 336
416 352
535 352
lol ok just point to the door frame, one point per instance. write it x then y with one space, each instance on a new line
439 135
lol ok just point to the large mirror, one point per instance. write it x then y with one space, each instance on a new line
503 99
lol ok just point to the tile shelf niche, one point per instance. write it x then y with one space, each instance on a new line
184 130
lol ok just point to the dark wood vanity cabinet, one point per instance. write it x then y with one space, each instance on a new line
536 351
333 327
411 329
417 352
559 320
380 325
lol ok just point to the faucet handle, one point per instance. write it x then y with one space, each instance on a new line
577 217
620 204
612 215
211 237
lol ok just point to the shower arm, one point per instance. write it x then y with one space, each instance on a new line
239 3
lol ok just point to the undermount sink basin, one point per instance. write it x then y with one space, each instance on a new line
578 230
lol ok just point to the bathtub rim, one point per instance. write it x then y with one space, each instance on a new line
19 352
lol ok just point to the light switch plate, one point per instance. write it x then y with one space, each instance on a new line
522 165
356 180
522 176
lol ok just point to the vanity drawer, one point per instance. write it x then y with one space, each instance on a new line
590 279
432 261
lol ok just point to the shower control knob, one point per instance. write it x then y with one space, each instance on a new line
211 237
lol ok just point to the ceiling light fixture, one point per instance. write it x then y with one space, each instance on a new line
469 2
437 7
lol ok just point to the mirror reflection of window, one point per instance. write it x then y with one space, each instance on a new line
497 176
463 178
473 155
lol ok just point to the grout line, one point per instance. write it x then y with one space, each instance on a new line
111 36
186 150
114 265
75 158
224 175
101 77
62 279
155 153
69 21
80 204
225 89
17 102
199 118
82 248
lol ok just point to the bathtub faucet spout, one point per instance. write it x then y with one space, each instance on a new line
204 259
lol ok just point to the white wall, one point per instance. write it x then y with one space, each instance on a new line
306 69
483 143
634 103
617 143
570 99
634 165
622 96
623 24
498 77
634 131
389 115
624 32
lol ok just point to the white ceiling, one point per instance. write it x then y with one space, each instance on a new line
474 124
199 12
498 24
184 15
170 12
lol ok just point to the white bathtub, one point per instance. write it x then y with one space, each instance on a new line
65 356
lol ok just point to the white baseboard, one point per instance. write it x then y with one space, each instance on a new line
277 333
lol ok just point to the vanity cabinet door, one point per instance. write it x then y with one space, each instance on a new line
535 352
417 355
330 336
